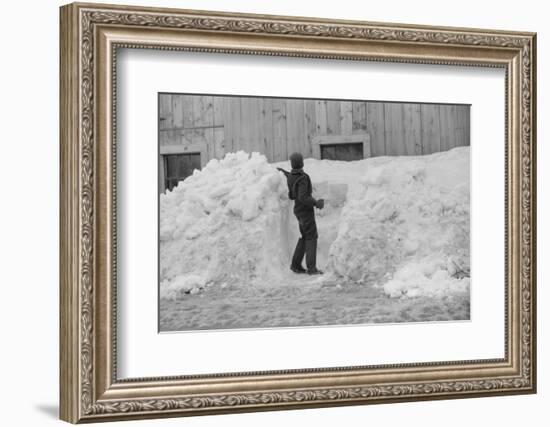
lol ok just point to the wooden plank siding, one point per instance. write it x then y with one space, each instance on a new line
463 126
296 140
276 127
376 128
251 125
165 112
218 122
310 126
177 111
359 117
279 130
202 130
321 117
431 133
412 129
346 117
394 130
333 117
232 128
267 128
188 122
448 126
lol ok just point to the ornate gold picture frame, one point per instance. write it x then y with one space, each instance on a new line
90 37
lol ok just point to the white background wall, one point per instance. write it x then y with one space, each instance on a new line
29 170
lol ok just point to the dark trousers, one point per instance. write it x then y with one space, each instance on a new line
307 243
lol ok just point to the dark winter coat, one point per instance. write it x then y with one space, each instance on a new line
300 190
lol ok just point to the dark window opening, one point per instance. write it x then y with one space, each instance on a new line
177 167
347 151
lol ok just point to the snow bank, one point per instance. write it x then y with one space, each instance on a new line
224 224
406 225
402 223
427 277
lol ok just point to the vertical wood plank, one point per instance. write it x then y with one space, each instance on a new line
346 117
321 117
359 117
219 130
217 110
219 143
256 126
447 121
188 119
177 110
233 123
246 114
467 125
208 120
463 125
194 135
280 152
267 128
310 126
459 127
165 111
376 128
295 130
188 111
251 115
203 121
333 118
431 131
393 115
412 129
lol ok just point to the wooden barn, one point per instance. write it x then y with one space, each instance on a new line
196 128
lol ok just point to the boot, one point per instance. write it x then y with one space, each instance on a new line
298 256
311 257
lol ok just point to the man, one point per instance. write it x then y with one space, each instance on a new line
300 190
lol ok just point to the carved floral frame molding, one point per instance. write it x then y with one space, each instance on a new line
90 37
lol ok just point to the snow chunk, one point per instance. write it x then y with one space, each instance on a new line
190 283
425 278
408 221
224 224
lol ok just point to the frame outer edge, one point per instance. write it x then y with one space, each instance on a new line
305 19
534 270
69 354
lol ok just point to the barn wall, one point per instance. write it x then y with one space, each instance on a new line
277 127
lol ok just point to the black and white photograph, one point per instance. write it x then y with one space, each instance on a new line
289 212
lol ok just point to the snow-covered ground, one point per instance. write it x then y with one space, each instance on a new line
302 302
394 230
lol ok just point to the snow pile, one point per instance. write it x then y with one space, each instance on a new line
406 225
402 223
225 224
431 276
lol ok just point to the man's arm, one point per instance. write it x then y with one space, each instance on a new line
302 193
287 173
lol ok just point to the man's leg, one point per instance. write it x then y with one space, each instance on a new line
299 251
310 233
311 256
298 256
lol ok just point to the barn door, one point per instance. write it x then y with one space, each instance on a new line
177 167
345 151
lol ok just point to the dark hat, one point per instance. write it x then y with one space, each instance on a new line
296 161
